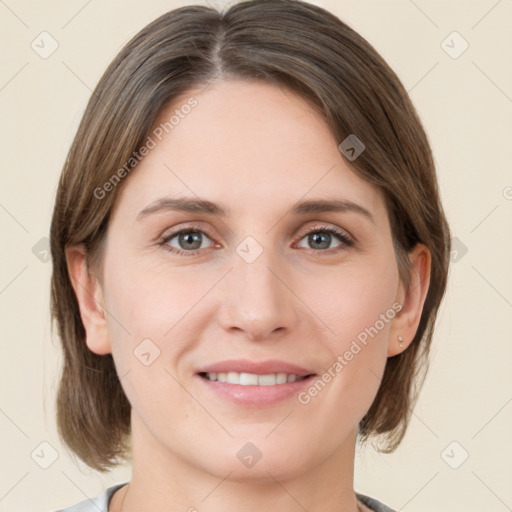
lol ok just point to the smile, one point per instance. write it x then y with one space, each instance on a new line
252 379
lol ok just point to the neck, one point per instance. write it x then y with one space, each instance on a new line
164 481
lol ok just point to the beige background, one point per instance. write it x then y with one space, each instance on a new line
466 106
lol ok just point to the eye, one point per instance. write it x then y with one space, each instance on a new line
320 237
189 241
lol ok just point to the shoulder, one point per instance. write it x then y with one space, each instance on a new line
373 504
98 504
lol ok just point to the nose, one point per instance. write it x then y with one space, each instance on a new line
258 301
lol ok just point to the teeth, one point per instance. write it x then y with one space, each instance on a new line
252 379
245 379
267 380
282 378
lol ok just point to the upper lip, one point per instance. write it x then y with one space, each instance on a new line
257 367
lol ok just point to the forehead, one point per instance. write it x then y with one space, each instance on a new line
245 144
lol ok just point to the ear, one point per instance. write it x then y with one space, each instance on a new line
90 300
405 324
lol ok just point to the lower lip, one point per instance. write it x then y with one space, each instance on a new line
256 396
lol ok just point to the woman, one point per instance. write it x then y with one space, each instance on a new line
249 253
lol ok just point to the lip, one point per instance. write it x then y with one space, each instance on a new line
258 367
252 395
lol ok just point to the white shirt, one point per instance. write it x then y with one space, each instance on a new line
101 503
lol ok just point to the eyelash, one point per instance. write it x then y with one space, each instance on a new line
343 237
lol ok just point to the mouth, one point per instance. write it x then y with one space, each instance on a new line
254 379
255 384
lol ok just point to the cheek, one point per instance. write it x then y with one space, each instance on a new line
148 311
153 325
151 301
356 304
350 299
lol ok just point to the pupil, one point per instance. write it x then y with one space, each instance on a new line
188 238
317 239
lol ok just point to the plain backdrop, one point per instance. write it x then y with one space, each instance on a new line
457 454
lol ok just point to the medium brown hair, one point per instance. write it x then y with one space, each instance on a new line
288 43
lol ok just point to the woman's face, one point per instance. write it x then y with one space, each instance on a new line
262 285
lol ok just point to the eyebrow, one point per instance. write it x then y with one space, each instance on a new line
192 205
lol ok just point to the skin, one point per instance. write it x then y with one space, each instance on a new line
255 149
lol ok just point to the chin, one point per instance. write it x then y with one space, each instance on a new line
260 461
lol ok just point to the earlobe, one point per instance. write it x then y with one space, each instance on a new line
89 295
412 299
